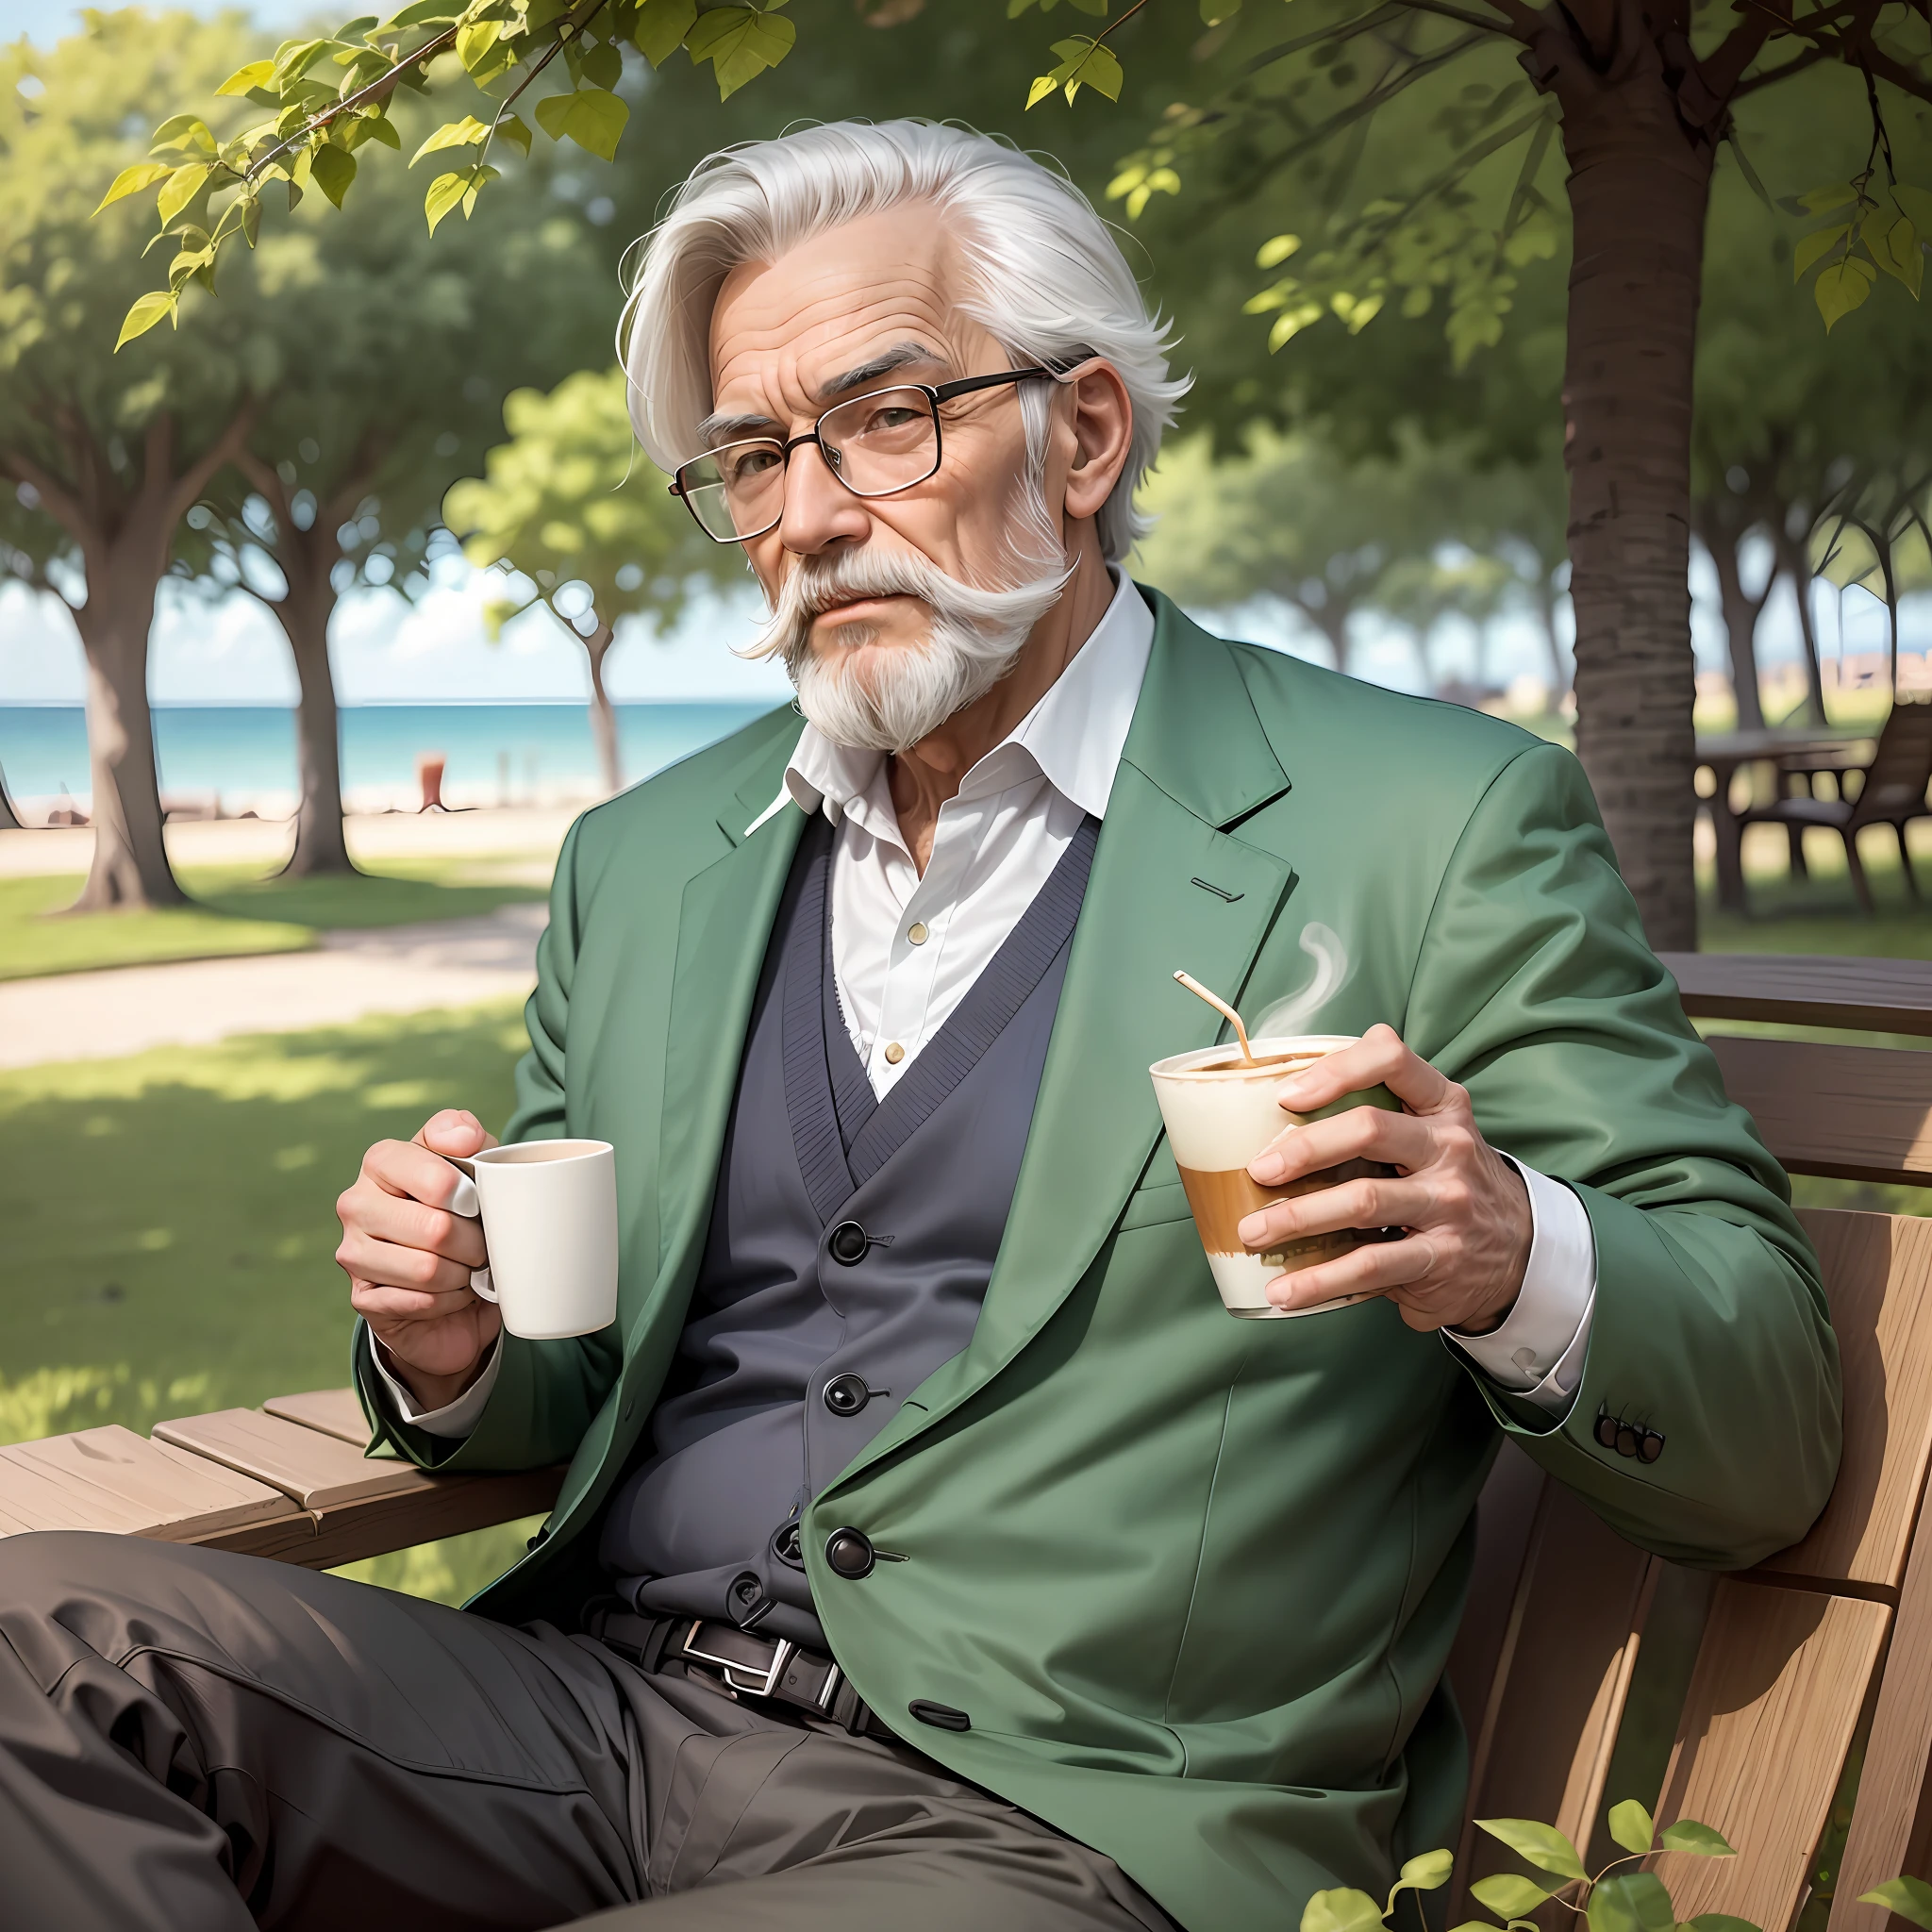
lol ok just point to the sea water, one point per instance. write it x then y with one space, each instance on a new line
496 754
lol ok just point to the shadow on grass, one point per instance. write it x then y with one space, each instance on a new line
167 1225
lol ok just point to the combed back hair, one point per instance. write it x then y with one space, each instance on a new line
1044 276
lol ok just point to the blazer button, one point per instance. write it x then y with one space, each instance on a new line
849 1553
847 1244
846 1394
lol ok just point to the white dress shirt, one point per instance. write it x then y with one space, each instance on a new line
907 947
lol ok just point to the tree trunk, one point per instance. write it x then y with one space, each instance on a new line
603 716
1639 185
130 864
319 846
1797 565
1740 612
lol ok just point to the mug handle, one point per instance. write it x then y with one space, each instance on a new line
467 1203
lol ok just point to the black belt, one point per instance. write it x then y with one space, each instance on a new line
747 1664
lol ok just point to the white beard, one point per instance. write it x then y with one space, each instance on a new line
903 696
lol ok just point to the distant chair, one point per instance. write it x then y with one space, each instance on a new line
1893 793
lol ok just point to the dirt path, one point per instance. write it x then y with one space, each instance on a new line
398 968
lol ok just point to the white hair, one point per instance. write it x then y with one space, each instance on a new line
1044 276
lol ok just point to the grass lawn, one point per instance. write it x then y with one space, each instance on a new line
237 910
167 1226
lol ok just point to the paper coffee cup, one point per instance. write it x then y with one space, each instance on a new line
549 1214
1219 1114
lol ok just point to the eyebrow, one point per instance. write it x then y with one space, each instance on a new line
716 430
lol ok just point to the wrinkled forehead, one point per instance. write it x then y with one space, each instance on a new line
849 305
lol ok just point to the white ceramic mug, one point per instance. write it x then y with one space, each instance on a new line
549 1214
1219 1115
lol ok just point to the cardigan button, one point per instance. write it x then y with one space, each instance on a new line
849 1553
846 1394
847 1244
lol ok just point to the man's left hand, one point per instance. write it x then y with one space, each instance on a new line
1464 1210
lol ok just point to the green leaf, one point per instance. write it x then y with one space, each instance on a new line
1043 84
333 171
464 133
1273 254
149 311
245 79
1341 1910
1096 8
513 129
604 66
1631 1827
740 43
1916 205
1687 1835
597 119
181 188
660 27
1509 1894
293 58
132 180
428 14
1820 199
1542 1844
184 130
1910 1898
380 127
476 41
479 179
1214 12
1721 1922
444 193
1425 1871
1894 244
1812 246
1632 1902
1084 62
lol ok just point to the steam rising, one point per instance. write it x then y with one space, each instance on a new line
1322 945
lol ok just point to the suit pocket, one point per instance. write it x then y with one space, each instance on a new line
1149 1207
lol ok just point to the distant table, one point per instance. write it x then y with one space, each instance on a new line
1726 755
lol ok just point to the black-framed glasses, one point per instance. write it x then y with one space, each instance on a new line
875 444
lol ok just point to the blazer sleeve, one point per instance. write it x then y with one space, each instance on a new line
546 1392
1536 990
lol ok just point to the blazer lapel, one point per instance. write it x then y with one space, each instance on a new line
1196 759
724 923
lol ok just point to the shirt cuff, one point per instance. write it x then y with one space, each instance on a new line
1538 1352
454 1419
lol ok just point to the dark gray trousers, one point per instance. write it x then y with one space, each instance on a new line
192 1741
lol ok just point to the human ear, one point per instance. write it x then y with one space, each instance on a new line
1102 419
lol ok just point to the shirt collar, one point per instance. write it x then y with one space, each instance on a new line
1073 736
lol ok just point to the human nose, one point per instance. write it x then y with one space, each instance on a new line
819 509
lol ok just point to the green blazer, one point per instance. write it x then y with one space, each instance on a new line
1195 1578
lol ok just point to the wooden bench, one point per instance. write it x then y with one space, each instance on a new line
288 1480
1827 1646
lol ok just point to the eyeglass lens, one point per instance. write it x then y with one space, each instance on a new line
875 444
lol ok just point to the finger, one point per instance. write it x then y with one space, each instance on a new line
1379 1058
456 1131
402 1167
383 1301
1369 1202
365 1259
1372 1270
1363 1133
400 1219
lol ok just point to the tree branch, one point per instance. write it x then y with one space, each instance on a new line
1883 67
224 449
1771 75
56 498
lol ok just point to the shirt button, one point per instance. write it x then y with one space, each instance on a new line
846 1394
916 932
895 1054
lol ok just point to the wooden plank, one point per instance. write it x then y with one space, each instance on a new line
111 1478
1780 1681
425 1509
1861 1113
1878 1275
1543 1746
334 1411
1802 989
1898 1755
315 1470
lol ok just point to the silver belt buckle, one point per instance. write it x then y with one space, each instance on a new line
759 1685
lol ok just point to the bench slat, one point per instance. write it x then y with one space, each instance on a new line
1861 1113
1797 990
315 1470
111 1478
333 1411
1879 1270
1773 1701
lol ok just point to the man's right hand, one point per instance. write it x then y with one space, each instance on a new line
409 1258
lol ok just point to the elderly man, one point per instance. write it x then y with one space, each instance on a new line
935 1550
